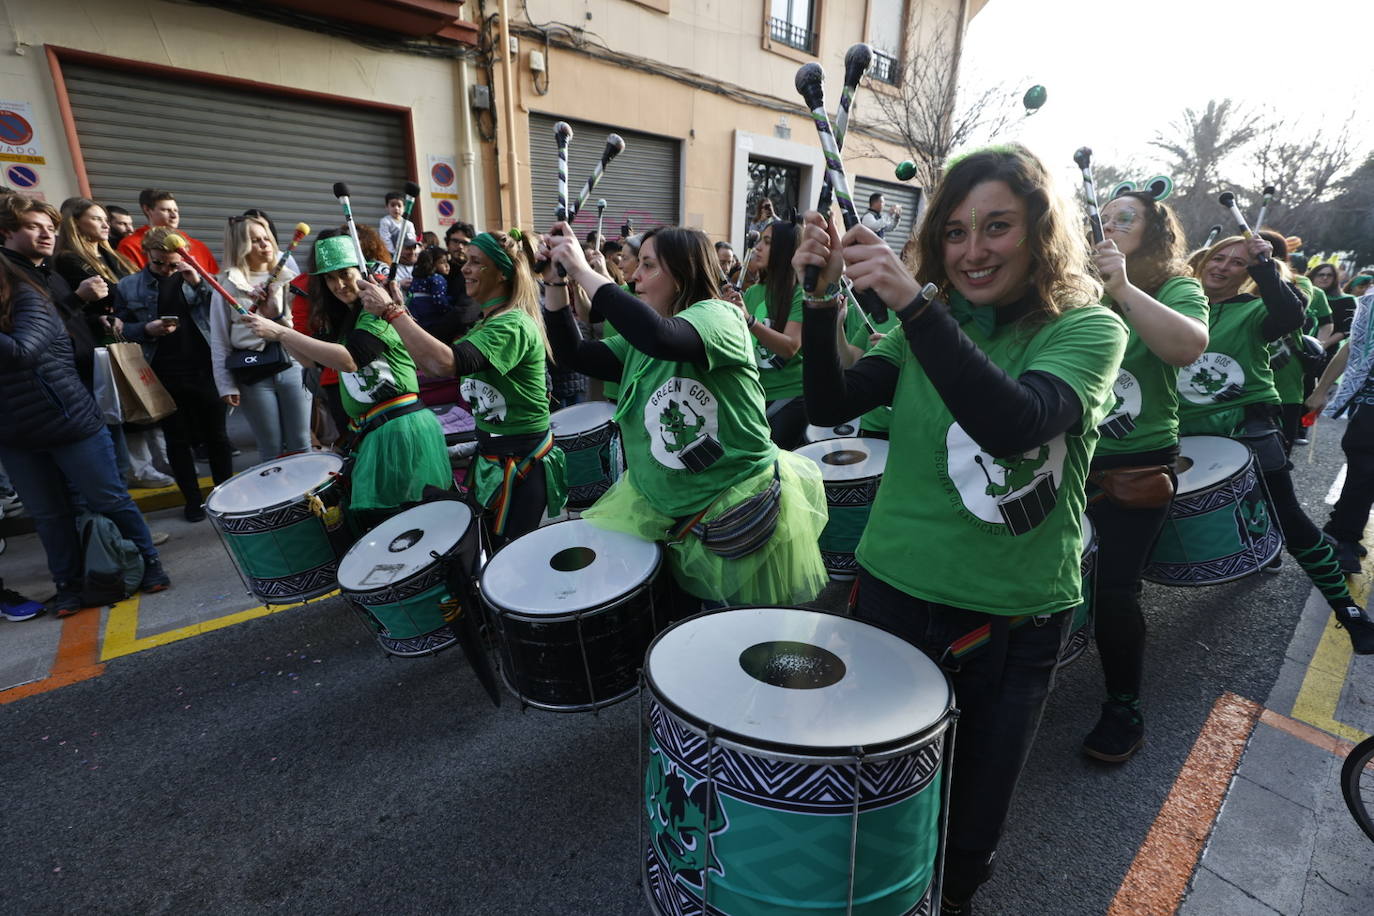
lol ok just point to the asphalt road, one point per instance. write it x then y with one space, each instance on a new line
286 765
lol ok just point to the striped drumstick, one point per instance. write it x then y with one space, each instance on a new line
562 133
341 192
614 147
600 221
856 63
1228 200
176 243
1212 235
412 192
1084 160
302 230
1269 192
810 83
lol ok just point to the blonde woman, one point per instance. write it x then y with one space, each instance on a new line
250 372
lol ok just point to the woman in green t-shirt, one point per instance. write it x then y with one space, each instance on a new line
1229 391
972 549
691 415
773 314
518 473
1141 262
401 446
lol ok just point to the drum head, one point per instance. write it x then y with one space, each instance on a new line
402 545
797 678
821 433
1089 535
273 483
567 567
581 418
1208 460
848 458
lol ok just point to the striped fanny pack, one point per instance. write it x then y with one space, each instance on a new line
741 529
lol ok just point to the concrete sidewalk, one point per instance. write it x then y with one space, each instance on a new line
1284 841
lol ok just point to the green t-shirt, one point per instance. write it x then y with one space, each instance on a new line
1288 377
954 525
1233 372
781 378
389 375
856 331
692 430
1144 416
510 398
610 389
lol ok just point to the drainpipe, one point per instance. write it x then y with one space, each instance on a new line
471 209
508 104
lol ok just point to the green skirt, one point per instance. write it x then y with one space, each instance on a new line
398 460
784 572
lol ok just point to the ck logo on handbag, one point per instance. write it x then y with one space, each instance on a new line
250 360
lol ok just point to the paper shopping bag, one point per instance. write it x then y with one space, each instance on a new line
141 395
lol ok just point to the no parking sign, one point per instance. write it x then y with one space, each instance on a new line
21 177
443 178
18 139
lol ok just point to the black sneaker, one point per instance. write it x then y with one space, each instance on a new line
194 512
65 603
1119 733
1358 625
1348 555
950 908
155 578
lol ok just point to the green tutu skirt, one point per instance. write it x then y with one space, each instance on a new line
398 460
785 571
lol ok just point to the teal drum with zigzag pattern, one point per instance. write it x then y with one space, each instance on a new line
851 468
797 766
591 447
1219 527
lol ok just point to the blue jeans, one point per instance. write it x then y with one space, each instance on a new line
41 477
278 412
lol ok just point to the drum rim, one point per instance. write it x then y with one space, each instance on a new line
779 750
566 616
609 421
846 481
242 513
468 532
1250 455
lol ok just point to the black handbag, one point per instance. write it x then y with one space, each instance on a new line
249 366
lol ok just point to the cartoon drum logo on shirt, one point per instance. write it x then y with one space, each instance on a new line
1018 491
365 384
680 418
1213 379
487 401
1125 408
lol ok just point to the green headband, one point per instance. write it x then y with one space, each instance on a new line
493 250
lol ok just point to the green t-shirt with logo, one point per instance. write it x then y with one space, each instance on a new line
1234 372
691 430
781 378
1288 377
857 332
510 398
389 375
1012 527
1144 415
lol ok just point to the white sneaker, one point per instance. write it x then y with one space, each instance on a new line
11 504
156 482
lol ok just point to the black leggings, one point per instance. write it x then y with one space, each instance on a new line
199 417
529 497
787 422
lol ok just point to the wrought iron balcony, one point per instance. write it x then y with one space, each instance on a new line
885 68
794 36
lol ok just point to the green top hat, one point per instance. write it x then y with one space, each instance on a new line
334 253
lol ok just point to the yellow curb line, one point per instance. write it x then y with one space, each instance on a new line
121 630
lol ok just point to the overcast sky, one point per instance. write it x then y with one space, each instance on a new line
1118 71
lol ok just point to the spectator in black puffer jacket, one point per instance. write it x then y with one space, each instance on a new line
52 436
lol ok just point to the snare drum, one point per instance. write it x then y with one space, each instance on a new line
591 446
398 575
798 765
283 524
574 607
843 431
1219 527
1081 629
852 468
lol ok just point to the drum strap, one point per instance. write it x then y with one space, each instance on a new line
380 413
513 470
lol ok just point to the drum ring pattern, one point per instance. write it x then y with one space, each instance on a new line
424 644
861 493
1225 495
298 586
669 898
267 521
401 591
806 788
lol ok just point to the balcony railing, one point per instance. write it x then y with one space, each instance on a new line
794 36
885 68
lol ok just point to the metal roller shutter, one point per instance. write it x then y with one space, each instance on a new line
221 150
907 195
643 182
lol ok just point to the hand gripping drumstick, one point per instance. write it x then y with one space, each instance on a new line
341 192
1084 160
810 83
856 62
176 243
614 147
1228 200
412 192
1269 192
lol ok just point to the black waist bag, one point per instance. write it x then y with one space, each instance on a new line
744 528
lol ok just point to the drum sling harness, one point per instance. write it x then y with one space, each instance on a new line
378 415
513 470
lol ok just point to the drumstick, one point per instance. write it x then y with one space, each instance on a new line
1269 192
1212 235
600 219
175 243
810 82
562 133
302 230
412 192
1228 200
341 192
1084 160
856 62
848 285
751 240
614 147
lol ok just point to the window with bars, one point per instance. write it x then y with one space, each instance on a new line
791 23
885 68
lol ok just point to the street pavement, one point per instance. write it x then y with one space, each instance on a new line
189 752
